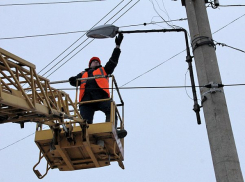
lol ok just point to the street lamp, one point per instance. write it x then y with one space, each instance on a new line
110 31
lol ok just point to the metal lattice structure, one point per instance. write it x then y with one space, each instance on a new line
26 96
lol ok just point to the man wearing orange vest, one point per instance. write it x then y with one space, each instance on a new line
95 89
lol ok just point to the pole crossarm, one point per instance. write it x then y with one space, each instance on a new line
27 97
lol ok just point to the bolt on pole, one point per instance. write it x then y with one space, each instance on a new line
222 144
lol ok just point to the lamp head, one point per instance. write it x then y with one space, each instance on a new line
103 31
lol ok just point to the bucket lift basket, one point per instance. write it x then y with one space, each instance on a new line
75 146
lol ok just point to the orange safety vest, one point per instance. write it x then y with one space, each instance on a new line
102 82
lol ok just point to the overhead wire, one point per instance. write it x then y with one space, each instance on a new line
181 19
237 5
154 68
79 46
153 22
89 42
78 39
69 58
213 33
166 12
158 87
76 46
52 73
62 33
229 24
234 85
128 88
118 11
48 3
157 65
41 35
179 53
225 45
125 88
81 43
126 11
171 25
17 141
72 32
132 88
160 15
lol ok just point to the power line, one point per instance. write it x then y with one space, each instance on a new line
73 32
166 12
69 58
171 25
231 5
119 11
72 45
158 87
130 88
179 53
160 63
83 41
181 19
64 58
16 141
127 88
160 15
223 44
126 11
41 35
62 33
211 4
81 44
90 41
233 85
48 3
153 68
49 75
80 37
228 24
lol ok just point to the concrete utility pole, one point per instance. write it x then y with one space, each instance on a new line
222 143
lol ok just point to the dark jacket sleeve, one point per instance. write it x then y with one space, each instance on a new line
112 63
73 79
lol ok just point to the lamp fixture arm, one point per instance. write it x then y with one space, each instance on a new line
196 107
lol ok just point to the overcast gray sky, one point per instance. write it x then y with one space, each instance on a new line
164 142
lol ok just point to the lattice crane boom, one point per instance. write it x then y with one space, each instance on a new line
26 96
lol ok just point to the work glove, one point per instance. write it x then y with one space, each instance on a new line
119 39
72 81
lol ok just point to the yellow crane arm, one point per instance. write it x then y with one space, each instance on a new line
26 96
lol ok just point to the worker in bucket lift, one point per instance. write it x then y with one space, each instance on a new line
95 89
